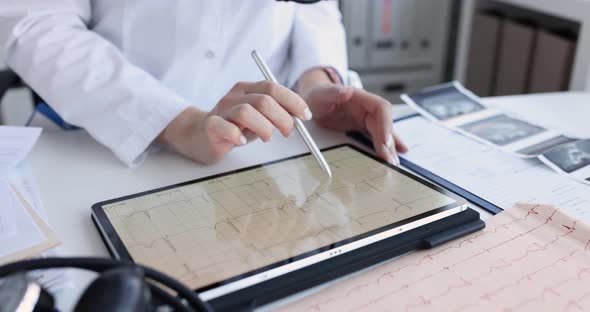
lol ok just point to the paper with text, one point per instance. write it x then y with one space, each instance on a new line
32 235
15 145
24 183
7 216
529 258
489 173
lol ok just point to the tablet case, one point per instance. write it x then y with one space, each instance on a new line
425 237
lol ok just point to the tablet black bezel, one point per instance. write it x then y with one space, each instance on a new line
113 241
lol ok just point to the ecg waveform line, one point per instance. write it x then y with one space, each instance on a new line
430 257
565 243
283 206
205 232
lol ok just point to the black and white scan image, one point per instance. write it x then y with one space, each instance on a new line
449 104
570 157
502 130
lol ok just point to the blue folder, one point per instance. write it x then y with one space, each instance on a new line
52 115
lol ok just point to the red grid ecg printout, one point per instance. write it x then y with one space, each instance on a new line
529 258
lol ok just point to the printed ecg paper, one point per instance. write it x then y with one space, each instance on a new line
529 258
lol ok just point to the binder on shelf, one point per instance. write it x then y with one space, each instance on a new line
552 63
481 68
514 59
387 31
357 17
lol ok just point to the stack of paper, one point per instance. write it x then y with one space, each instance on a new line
22 180
24 232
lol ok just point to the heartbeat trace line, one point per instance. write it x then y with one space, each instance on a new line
431 256
567 230
257 216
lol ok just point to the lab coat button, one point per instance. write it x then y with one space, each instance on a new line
209 54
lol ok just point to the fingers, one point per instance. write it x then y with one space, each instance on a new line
379 124
245 116
219 129
287 99
393 146
274 112
222 136
250 136
400 146
396 145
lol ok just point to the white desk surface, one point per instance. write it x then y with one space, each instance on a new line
73 171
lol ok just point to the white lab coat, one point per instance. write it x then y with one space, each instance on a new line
124 69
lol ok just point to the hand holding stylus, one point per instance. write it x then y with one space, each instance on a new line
315 151
249 110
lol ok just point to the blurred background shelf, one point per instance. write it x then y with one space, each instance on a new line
399 46
560 30
494 47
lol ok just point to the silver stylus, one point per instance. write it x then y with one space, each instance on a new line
315 151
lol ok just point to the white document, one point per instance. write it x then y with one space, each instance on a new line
497 177
24 183
7 218
26 233
15 145
32 235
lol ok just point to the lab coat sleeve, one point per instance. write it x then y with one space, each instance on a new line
84 77
318 39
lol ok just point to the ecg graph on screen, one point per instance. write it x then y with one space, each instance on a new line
533 256
206 232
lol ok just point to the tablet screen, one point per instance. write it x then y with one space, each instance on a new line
218 230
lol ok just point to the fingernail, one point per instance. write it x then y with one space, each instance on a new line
389 158
396 160
389 141
307 114
243 139
394 155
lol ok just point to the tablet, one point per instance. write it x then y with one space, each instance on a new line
231 231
